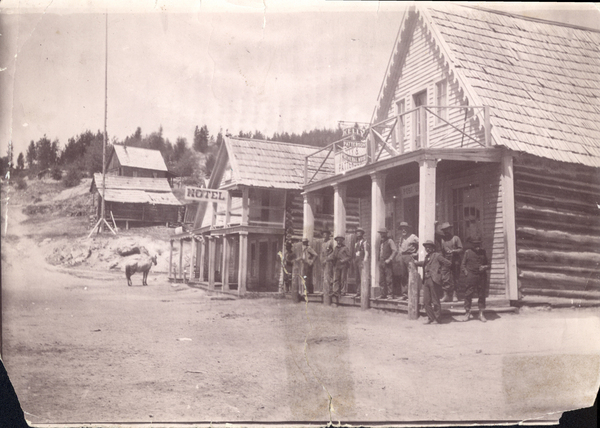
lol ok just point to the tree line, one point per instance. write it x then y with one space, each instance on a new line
82 155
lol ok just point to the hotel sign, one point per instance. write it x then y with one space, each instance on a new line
203 194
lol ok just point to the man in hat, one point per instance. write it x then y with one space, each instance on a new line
474 266
308 258
327 248
451 247
434 267
340 259
408 248
361 254
387 252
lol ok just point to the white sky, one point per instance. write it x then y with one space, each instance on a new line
289 66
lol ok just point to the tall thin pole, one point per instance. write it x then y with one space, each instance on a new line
105 115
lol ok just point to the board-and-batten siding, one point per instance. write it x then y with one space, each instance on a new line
557 227
422 70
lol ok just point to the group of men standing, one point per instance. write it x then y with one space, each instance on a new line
444 262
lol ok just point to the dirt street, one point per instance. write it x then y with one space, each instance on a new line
81 346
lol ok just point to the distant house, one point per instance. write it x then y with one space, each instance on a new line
491 122
238 243
137 189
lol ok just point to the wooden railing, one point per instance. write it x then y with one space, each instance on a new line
420 128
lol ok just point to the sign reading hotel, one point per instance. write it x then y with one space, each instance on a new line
203 194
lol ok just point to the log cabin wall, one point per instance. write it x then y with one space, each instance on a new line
557 228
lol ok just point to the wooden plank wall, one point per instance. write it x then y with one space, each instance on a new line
143 212
558 227
421 70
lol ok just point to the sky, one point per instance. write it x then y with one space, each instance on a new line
232 65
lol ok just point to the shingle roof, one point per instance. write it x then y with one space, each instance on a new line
541 79
263 163
135 190
138 157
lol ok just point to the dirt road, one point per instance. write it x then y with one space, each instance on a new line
81 346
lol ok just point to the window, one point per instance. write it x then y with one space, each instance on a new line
400 109
266 207
441 99
466 211
420 99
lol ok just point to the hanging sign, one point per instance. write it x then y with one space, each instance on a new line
203 194
353 154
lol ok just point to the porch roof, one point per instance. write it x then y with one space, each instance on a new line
490 154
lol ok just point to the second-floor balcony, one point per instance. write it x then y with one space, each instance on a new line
424 127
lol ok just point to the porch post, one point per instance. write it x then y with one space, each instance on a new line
427 170
181 259
377 222
510 242
243 263
245 206
339 210
211 262
202 254
191 270
225 268
309 217
171 260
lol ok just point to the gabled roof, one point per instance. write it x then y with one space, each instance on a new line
262 163
135 190
540 78
138 157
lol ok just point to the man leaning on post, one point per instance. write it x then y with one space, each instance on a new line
387 252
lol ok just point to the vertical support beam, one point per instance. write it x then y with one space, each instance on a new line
243 263
191 265
371 147
423 115
339 210
487 130
225 267
211 262
213 219
181 259
309 218
377 222
228 210
365 285
508 215
171 259
427 180
201 259
245 207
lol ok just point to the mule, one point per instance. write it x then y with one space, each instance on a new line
142 265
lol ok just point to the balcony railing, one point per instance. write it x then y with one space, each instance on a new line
419 128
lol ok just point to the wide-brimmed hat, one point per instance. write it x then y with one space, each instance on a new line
475 241
340 237
445 225
325 232
382 230
360 229
429 242
403 224
305 241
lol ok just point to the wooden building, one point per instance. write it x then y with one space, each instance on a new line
137 188
237 244
491 122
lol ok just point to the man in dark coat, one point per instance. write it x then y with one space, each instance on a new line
474 266
434 268
340 258
326 250
387 252
451 250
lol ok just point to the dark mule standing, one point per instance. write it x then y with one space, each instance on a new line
142 265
